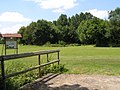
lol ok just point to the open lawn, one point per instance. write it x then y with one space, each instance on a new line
88 60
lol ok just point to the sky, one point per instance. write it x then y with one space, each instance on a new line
17 13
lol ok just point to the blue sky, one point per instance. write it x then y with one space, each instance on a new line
17 13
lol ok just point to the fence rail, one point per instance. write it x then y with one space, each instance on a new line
23 55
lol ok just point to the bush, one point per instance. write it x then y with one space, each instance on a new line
57 68
62 43
115 45
47 44
14 83
75 44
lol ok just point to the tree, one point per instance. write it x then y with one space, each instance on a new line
102 33
44 32
85 32
22 32
27 32
93 31
67 29
62 20
83 27
114 22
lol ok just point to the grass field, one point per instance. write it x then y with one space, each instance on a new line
88 60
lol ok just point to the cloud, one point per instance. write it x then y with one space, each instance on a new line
13 17
102 14
60 10
10 22
56 5
10 29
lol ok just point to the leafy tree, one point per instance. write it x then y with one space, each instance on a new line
93 31
62 20
83 27
75 21
63 28
114 17
27 32
44 32
102 33
85 32
67 28
22 32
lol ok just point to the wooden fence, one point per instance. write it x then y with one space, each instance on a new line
17 56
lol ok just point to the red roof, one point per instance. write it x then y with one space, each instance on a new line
11 35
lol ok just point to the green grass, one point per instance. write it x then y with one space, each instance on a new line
88 60
91 60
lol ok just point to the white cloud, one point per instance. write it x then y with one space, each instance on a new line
56 5
10 22
10 29
13 17
59 10
102 14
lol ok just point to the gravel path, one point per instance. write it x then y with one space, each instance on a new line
75 82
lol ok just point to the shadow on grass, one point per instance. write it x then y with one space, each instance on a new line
41 85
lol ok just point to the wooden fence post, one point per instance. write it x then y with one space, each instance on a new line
58 57
47 58
3 74
39 70
5 47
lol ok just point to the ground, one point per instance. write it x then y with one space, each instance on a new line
75 82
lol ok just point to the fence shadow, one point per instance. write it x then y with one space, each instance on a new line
68 87
39 82
41 85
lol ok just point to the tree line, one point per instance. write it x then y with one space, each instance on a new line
83 28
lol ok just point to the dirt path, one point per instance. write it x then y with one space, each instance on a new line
75 82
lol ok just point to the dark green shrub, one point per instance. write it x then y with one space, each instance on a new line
56 68
62 43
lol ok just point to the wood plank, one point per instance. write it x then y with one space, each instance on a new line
1 58
32 68
16 56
